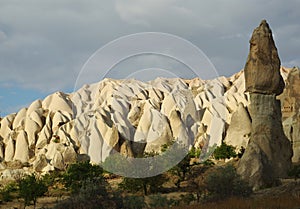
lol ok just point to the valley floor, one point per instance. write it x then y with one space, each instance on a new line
285 196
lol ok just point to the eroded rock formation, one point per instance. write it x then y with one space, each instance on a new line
130 117
262 73
268 154
290 101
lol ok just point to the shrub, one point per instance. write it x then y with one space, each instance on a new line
158 200
195 153
294 172
181 169
92 194
134 202
145 185
30 188
6 192
224 152
224 182
187 198
52 178
184 166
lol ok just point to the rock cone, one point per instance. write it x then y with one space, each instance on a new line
268 154
262 73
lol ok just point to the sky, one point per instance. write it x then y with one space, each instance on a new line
44 45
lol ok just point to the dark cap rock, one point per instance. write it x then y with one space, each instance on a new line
262 70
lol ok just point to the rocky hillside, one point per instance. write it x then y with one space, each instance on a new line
131 117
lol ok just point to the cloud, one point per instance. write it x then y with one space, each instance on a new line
145 12
44 44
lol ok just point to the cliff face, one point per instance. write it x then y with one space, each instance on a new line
268 154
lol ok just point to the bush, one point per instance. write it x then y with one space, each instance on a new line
52 178
294 172
6 192
224 152
145 185
224 182
30 188
134 202
187 199
158 200
91 195
76 175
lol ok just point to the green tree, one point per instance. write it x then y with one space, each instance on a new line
145 185
77 174
30 188
224 152
224 182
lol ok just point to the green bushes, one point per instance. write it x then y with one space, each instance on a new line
224 182
224 152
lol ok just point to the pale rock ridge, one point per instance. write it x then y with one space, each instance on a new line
117 115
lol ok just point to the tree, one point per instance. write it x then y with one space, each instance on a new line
30 188
224 182
184 166
77 174
224 152
145 185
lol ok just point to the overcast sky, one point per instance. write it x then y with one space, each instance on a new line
44 44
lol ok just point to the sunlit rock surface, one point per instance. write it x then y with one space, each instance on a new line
130 117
